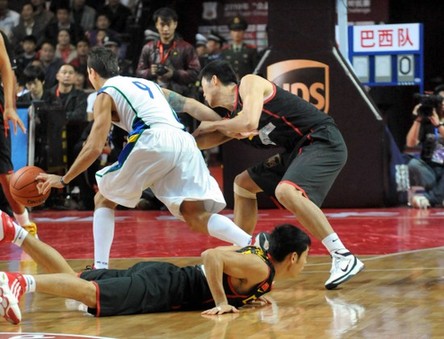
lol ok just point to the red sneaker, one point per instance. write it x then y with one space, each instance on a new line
12 287
7 229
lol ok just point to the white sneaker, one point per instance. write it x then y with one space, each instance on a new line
420 201
344 266
262 240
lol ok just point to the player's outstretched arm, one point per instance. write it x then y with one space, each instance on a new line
9 82
191 106
91 150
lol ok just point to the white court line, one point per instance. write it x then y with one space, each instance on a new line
383 256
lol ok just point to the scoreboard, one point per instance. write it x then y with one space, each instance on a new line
388 55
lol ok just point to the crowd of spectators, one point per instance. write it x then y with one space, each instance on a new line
51 42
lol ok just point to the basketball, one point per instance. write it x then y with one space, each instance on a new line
23 187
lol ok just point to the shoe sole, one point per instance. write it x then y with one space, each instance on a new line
9 307
358 267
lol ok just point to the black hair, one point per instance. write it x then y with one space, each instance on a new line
101 13
220 68
438 89
286 239
47 41
85 40
32 72
166 14
104 62
26 3
31 38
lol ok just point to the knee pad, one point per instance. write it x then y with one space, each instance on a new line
242 192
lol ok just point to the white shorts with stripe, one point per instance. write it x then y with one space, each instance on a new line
168 161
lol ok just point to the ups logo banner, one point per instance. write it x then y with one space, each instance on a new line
306 78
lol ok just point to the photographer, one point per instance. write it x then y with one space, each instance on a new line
170 61
428 131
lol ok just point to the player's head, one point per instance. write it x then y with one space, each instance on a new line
104 62
216 77
221 69
287 242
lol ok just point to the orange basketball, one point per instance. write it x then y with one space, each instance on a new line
23 187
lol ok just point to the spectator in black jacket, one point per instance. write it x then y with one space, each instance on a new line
73 102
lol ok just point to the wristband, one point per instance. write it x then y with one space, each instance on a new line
62 182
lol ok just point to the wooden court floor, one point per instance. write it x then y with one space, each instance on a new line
400 294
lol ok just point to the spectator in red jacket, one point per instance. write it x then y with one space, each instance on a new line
170 61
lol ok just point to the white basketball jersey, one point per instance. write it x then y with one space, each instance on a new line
140 103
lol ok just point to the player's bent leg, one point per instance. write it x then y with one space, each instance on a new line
67 286
308 214
103 229
245 202
195 215
216 225
344 264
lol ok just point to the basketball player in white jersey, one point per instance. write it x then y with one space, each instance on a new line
160 154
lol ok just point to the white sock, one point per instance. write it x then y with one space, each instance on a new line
30 283
103 230
19 234
224 229
333 243
22 219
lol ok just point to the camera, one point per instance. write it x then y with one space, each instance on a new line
428 103
161 69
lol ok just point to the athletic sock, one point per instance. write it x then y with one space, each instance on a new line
224 229
30 283
22 219
20 234
103 230
333 243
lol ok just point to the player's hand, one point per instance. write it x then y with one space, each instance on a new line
243 135
47 181
11 115
204 128
221 309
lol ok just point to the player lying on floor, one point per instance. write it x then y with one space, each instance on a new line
229 277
